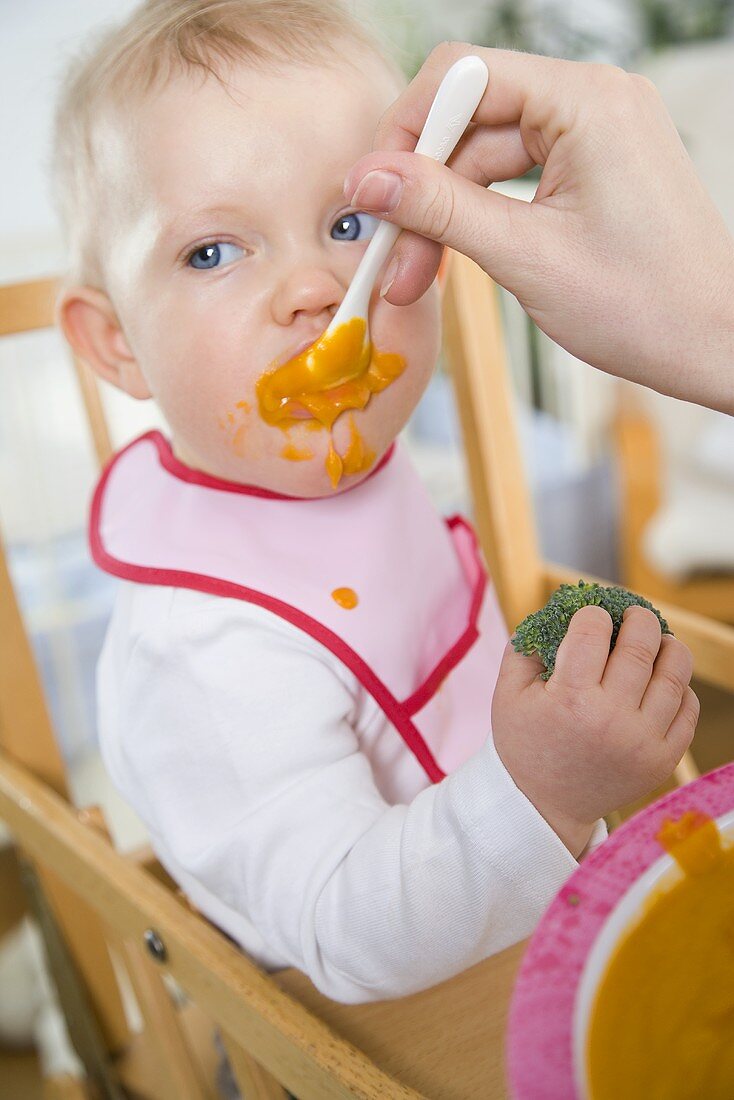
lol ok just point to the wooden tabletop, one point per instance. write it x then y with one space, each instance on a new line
447 1042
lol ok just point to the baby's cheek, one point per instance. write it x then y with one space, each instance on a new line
413 331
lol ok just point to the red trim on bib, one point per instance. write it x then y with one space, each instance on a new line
430 686
399 713
182 579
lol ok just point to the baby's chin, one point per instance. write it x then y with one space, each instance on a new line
315 484
303 458
301 467
293 463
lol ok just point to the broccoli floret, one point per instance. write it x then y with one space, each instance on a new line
544 630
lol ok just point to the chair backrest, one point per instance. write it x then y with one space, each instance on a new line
26 732
475 352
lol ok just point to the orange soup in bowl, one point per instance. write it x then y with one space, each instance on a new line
654 1017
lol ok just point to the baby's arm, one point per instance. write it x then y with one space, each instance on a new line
240 754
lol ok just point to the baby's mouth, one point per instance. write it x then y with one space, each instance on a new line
330 376
324 378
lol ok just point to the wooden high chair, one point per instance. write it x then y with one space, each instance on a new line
641 475
112 921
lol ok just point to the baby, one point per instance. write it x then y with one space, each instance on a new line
306 690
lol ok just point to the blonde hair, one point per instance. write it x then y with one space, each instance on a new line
159 40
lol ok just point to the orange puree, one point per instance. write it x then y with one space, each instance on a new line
662 1024
336 373
345 597
295 454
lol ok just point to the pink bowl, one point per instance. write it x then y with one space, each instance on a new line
554 988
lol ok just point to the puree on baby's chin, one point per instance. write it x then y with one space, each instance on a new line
662 1026
339 371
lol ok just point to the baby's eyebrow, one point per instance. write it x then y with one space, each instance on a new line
184 223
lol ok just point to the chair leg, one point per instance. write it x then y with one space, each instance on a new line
254 1082
176 1069
65 1087
173 1064
13 900
686 770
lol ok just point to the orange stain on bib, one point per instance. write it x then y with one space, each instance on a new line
345 597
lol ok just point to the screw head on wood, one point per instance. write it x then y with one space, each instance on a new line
155 945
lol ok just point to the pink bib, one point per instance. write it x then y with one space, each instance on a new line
426 637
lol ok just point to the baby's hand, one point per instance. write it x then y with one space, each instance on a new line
605 729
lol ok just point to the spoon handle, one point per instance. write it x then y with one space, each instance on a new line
456 100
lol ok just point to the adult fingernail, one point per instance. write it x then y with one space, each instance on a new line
379 192
387 282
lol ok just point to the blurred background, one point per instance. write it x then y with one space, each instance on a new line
627 485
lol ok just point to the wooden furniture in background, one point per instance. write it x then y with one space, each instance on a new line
641 477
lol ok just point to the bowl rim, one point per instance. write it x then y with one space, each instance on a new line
664 872
538 1037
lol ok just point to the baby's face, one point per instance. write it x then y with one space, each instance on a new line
235 251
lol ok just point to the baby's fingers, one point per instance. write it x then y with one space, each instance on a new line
630 665
683 726
583 653
671 675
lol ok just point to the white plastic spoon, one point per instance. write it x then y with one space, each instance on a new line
457 98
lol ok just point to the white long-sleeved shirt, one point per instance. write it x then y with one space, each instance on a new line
243 744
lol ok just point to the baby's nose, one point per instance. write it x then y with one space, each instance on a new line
308 290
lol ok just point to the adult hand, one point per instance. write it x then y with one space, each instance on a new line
605 729
622 257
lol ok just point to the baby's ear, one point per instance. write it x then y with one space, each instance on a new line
88 320
443 269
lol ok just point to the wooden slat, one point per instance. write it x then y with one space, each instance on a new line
136 1064
448 1042
252 1080
306 1055
27 306
475 353
63 1086
174 1068
640 476
13 901
96 418
26 734
25 726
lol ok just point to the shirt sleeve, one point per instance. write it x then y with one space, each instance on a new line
238 749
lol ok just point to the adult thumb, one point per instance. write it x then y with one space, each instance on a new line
416 193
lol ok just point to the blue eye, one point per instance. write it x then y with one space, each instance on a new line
214 255
353 227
